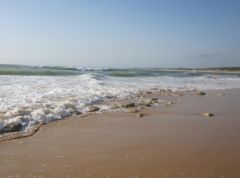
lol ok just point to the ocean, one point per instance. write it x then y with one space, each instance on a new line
33 94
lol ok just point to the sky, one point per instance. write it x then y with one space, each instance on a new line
120 33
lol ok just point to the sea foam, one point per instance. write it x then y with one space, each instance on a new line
41 99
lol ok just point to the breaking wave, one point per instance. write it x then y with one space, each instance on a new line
30 96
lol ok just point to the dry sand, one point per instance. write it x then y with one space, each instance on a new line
170 142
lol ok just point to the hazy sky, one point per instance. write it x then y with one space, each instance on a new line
120 33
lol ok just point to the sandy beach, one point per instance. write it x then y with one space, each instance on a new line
119 89
168 142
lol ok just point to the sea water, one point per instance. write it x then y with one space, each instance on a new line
43 93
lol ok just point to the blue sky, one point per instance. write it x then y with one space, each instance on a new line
123 33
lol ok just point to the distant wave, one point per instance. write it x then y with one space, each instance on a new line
113 72
37 70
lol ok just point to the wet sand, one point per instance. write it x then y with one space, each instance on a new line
168 142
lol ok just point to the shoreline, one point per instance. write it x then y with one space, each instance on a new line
173 141
134 104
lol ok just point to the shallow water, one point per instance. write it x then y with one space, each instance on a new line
41 94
